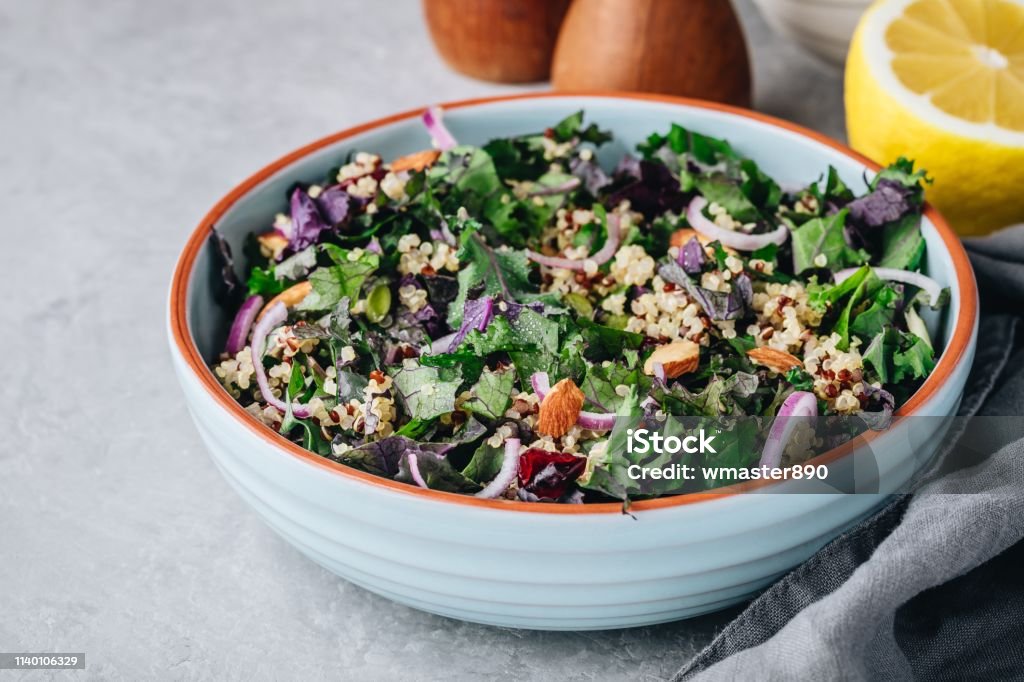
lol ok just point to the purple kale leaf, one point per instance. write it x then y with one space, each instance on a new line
742 286
335 204
591 174
692 256
881 404
511 309
888 202
477 314
655 192
629 167
307 224
718 305
384 457
227 289
434 469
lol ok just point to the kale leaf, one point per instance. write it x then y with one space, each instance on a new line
824 236
488 272
902 244
424 393
491 394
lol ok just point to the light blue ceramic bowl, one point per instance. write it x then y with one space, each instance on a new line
544 566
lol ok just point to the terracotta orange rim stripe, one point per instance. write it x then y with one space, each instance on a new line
955 350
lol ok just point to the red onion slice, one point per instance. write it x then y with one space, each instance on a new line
588 420
596 422
414 470
508 472
272 318
611 245
240 328
736 240
659 372
541 384
800 404
924 282
432 119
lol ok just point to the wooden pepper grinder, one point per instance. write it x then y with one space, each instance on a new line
506 41
694 48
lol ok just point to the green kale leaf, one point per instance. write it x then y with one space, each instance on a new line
344 279
914 360
878 315
834 191
735 448
499 337
824 236
902 171
424 393
485 463
470 362
821 297
601 385
572 127
607 343
896 356
727 193
263 282
491 272
866 288
491 395
902 244
704 149
518 158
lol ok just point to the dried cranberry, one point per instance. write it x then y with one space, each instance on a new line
547 475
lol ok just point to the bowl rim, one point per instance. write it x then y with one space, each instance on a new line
955 350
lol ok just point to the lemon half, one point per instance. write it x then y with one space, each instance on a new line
942 82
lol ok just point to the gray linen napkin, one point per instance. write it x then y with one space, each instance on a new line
931 586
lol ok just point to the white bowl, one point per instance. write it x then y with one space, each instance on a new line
535 565
822 27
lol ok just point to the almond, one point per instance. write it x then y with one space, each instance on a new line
676 358
273 243
560 408
416 161
680 237
292 296
776 360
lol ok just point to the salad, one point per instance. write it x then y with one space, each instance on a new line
481 320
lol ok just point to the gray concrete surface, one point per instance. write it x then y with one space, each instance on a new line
120 124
